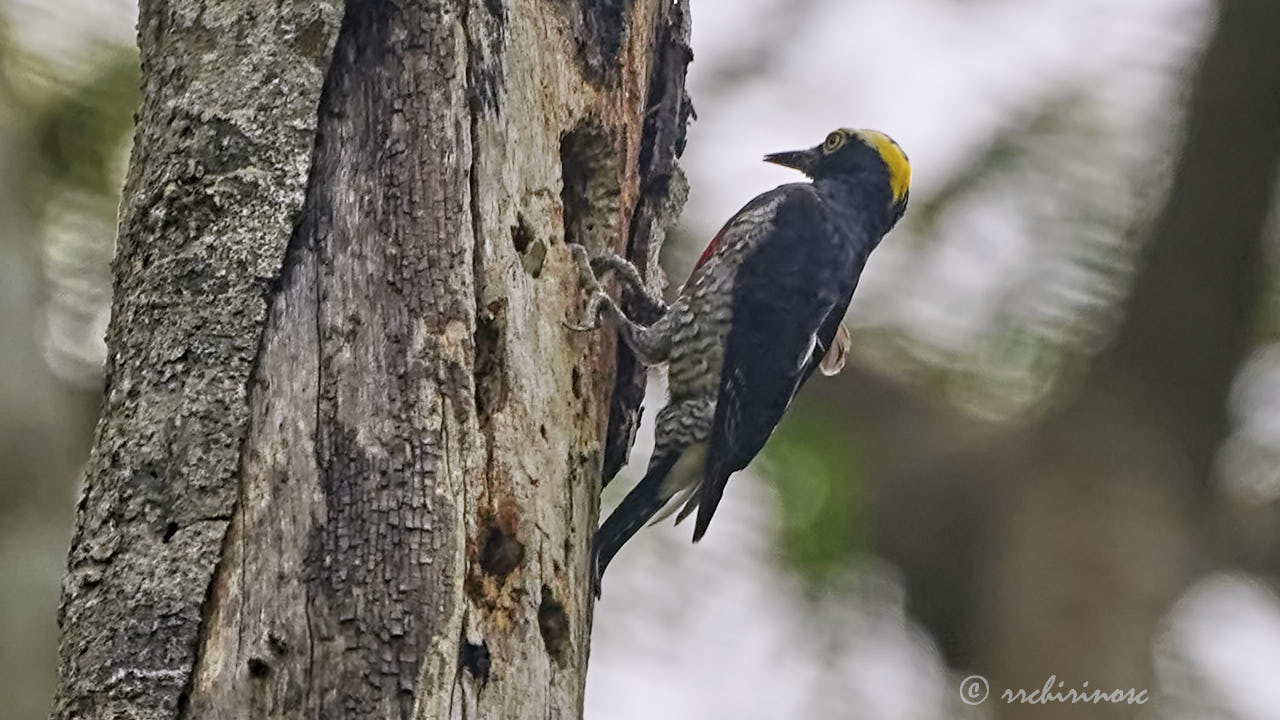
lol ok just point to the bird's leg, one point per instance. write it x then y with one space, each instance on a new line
591 268
650 344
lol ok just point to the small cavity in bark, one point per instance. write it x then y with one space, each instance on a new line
476 660
533 252
500 553
490 362
259 668
554 624
591 193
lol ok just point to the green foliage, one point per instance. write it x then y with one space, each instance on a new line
1005 151
76 135
65 126
813 461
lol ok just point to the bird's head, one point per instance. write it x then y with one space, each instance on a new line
855 153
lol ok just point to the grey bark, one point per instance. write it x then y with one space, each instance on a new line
348 460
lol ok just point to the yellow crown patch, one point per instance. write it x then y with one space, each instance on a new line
894 159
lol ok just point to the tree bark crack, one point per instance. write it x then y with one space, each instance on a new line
367 428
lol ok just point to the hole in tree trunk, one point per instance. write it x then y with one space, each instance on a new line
500 553
554 624
490 363
476 660
591 193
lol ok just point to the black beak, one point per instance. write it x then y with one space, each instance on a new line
802 160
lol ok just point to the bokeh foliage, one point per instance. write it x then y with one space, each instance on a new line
65 125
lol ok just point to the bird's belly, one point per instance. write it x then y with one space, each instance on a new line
697 350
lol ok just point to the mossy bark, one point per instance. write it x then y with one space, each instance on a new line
349 457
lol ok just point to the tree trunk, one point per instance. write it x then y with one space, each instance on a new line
348 458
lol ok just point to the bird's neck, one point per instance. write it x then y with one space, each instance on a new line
859 202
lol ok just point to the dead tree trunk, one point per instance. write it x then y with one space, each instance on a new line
348 461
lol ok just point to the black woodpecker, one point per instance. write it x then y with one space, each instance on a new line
760 312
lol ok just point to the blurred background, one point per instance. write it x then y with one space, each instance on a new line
843 575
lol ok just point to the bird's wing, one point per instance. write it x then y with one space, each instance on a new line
749 214
788 300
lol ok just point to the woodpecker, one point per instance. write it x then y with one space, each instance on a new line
761 310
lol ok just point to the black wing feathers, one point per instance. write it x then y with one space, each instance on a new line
789 293
827 334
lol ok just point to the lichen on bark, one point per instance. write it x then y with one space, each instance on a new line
217 175
350 457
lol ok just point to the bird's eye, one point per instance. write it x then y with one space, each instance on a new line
833 142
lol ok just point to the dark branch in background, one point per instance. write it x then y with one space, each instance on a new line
922 498
1100 515
1100 497
1199 283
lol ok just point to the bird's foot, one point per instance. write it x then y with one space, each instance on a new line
587 277
586 273
595 307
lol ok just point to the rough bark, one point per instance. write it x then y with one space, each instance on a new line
218 173
349 457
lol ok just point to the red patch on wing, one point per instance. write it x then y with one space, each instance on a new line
711 250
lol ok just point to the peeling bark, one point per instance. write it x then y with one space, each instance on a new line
348 460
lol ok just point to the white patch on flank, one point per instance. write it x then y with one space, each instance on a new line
681 484
807 355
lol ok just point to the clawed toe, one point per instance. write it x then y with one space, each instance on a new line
586 274
580 328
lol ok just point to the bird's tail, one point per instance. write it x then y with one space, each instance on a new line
645 499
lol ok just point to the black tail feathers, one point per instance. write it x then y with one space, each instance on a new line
709 499
644 500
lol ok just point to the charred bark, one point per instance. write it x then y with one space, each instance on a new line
349 458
